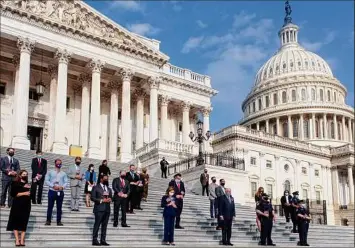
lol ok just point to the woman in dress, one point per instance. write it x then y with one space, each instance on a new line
258 196
21 207
169 213
103 170
90 178
145 177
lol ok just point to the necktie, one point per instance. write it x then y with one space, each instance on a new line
122 183
105 188
178 186
10 161
39 163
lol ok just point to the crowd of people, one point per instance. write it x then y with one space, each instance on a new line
126 193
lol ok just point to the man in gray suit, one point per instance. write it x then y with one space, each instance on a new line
76 174
9 167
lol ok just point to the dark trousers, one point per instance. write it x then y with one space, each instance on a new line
227 231
213 208
294 219
303 231
101 219
53 197
132 201
287 211
6 189
139 198
169 229
266 228
205 188
34 186
163 173
178 214
219 221
119 203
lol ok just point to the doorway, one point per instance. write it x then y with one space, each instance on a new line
35 135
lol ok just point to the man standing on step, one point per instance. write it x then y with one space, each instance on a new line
9 167
213 198
121 190
163 167
286 201
204 180
227 214
266 211
220 191
39 171
133 180
102 196
179 189
76 174
57 181
294 205
303 222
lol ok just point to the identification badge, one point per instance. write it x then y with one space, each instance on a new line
58 193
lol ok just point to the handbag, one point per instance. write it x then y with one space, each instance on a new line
89 188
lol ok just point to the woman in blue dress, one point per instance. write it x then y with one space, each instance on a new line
169 213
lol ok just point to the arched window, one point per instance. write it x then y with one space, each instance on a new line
293 95
253 107
284 97
287 186
249 108
295 128
275 98
260 104
328 96
335 96
332 133
321 95
267 101
285 129
317 128
313 94
306 128
303 93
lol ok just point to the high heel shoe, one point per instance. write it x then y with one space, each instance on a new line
22 243
17 243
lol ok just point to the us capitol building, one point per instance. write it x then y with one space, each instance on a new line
73 80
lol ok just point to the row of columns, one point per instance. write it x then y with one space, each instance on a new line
336 189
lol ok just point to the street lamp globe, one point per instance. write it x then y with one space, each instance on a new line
199 124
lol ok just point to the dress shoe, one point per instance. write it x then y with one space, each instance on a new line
96 243
48 223
140 208
60 224
179 227
103 243
34 203
115 224
271 244
306 244
125 225
230 244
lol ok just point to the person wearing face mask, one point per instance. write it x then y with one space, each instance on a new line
204 180
9 168
294 205
303 218
101 195
103 170
258 198
266 211
168 202
39 171
213 198
227 214
179 190
286 201
133 180
90 182
57 181
121 190
76 174
220 191
21 207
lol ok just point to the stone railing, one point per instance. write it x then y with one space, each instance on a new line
186 74
269 137
348 148
165 145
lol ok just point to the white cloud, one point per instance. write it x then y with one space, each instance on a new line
260 31
201 24
126 5
176 7
317 45
191 43
143 29
242 19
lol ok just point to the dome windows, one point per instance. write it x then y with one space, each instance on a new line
313 64
267 101
321 96
253 107
270 71
293 93
328 96
306 63
303 94
291 64
299 63
335 96
284 97
313 94
260 104
284 66
275 99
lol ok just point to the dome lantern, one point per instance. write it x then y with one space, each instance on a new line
289 32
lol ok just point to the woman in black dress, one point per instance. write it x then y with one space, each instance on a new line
90 178
103 170
21 207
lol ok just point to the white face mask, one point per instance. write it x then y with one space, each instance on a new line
286 194
92 168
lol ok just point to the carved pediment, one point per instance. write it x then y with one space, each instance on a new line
80 19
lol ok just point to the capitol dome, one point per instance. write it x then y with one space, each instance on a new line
296 95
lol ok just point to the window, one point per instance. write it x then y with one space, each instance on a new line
284 97
332 132
316 173
267 101
253 107
275 98
33 95
274 128
253 161
286 167
260 104
285 129
321 95
317 128
269 190
268 164
295 128
119 116
318 199
180 127
335 96
2 88
304 170
328 97
253 188
303 93
249 109
306 128
313 94
293 95
287 185
305 194
339 131
68 102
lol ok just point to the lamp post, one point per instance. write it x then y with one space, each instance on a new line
200 138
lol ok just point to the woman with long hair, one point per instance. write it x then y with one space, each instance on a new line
21 207
90 178
145 177
169 213
258 197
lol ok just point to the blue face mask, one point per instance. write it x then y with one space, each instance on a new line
58 166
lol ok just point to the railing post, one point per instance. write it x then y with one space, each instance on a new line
325 211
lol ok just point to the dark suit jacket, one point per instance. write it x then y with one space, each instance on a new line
226 208
179 202
164 165
116 186
283 200
5 164
204 179
135 178
39 170
97 195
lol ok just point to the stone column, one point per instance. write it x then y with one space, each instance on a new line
126 127
186 122
112 153
320 121
59 145
85 111
335 127
335 185
312 133
344 128
140 95
351 184
289 126
164 117
301 127
325 126
267 125
16 62
94 150
278 126
206 126
329 186
153 111
53 73
19 139
258 126
297 171
350 131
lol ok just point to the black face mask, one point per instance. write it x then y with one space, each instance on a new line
123 176
77 162
214 181
11 154
222 184
25 178
105 182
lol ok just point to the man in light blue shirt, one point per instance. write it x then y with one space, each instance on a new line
57 181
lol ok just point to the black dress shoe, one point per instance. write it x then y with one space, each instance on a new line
96 243
103 243
60 224
125 225
115 224
34 203
179 227
48 223
271 244
230 244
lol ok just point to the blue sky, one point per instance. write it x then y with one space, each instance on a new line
229 41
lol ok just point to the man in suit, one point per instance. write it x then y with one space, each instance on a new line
76 174
101 195
133 180
204 179
39 171
121 191
226 214
179 189
286 201
220 191
294 205
163 167
9 167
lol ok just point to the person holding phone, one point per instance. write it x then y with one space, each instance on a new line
169 214
21 207
90 182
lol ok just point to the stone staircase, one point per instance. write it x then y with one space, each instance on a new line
147 226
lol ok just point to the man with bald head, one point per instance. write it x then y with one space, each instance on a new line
227 214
